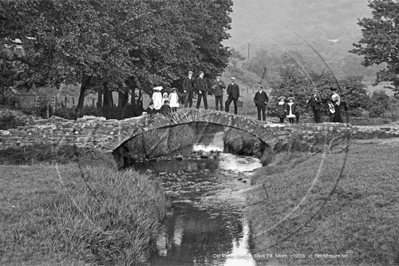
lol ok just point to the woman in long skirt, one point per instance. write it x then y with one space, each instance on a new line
157 98
337 102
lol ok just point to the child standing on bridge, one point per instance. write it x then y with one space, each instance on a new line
281 108
174 100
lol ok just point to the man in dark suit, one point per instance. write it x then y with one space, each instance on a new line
315 103
261 99
202 90
188 88
233 94
219 87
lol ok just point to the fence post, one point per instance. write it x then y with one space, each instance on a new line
73 101
66 101
92 103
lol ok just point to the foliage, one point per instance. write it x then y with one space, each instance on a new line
7 98
298 82
98 216
379 103
10 119
379 43
115 44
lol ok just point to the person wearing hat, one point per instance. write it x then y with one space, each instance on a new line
233 94
202 90
188 88
291 110
315 103
261 99
336 100
219 87
173 100
157 98
281 108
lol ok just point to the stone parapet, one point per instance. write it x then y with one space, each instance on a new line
108 135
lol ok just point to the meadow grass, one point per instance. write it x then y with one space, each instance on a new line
358 221
70 215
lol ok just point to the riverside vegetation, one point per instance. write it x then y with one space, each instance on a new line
71 207
355 218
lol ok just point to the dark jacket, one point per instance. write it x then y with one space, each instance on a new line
200 85
233 91
281 110
151 111
219 87
188 85
261 98
315 102
165 109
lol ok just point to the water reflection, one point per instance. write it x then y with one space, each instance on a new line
199 238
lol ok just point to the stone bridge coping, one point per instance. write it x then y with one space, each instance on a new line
117 132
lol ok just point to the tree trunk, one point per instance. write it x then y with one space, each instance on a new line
108 101
100 99
83 89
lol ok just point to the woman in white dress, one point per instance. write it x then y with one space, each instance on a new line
157 98
174 100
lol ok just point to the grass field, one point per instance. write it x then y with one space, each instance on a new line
71 216
358 221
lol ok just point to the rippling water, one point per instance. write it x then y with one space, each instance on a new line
198 234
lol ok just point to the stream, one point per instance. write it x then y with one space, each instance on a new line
208 224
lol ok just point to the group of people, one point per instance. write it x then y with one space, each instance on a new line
201 88
163 103
333 106
285 108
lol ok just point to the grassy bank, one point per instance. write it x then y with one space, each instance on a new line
358 221
68 215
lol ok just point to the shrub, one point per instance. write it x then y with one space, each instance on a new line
10 119
379 103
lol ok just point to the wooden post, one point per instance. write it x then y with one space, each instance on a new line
66 101
92 103
73 101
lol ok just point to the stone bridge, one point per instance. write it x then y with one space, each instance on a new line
108 135
187 116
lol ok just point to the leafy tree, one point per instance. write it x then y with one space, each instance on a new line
379 103
116 45
380 41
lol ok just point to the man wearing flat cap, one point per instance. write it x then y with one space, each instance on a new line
188 88
233 94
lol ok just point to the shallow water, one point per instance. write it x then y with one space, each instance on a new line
204 229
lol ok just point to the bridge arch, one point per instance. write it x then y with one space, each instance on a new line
189 116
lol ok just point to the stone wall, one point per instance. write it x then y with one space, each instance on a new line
97 132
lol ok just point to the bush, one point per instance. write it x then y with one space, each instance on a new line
10 119
379 103
8 99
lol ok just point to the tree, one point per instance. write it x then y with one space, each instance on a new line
380 41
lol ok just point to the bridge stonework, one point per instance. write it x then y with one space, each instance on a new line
108 135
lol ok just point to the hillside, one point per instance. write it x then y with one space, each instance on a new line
330 26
